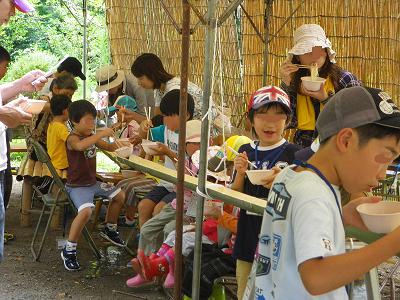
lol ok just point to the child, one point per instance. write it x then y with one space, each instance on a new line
57 132
311 47
302 241
151 233
167 136
269 113
82 185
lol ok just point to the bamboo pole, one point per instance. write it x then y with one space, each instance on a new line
181 150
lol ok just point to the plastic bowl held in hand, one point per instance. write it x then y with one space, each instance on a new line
312 84
34 106
381 217
148 147
258 177
124 152
123 142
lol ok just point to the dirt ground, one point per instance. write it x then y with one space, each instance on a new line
22 278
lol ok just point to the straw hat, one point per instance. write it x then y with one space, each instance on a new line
108 77
193 131
308 36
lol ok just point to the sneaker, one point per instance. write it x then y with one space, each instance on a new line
112 236
69 259
124 222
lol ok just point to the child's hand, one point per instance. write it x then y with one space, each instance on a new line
267 183
241 163
320 95
286 70
351 217
161 148
136 140
106 132
146 125
213 212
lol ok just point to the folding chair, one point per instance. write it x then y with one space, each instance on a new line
61 199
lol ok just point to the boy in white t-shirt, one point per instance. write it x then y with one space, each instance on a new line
301 250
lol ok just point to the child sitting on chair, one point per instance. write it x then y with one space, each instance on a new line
82 185
57 132
167 137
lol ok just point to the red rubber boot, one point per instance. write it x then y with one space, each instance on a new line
152 267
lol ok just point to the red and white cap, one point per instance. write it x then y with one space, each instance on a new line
24 6
267 95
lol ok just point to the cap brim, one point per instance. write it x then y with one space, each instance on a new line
390 122
81 76
24 6
116 82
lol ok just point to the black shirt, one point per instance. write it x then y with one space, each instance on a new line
249 225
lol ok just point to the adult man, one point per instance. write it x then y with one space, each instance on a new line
11 115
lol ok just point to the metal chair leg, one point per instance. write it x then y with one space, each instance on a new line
36 256
88 238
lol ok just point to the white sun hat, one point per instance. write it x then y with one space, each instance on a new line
308 36
108 77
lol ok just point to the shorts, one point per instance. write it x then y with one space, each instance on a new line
160 193
82 196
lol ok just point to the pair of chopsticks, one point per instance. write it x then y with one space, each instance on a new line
237 153
147 111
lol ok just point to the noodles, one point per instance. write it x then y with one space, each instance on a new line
314 71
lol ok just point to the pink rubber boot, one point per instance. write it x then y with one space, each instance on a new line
137 281
170 279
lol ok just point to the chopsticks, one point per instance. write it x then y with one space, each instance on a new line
237 153
147 111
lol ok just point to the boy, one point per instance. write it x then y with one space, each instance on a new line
57 132
82 185
167 135
302 240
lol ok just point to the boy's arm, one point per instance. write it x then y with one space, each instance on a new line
101 144
321 275
83 144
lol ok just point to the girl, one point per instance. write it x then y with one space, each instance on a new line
269 114
311 47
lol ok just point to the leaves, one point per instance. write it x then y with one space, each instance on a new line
40 40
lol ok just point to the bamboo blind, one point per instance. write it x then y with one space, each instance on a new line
365 35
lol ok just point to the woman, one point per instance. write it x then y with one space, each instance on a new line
311 47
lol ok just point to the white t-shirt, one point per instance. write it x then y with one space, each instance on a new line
170 138
175 84
3 143
302 221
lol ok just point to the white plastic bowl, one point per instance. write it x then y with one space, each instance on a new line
381 217
34 106
129 173
312 85
148 147
123 142
124 152
257 177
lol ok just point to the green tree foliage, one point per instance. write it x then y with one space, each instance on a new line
39 40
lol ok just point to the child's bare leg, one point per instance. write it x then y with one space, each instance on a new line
145 208
158 208
78 223
114 208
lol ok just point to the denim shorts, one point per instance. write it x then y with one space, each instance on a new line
82 196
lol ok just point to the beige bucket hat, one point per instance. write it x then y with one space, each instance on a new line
108 77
